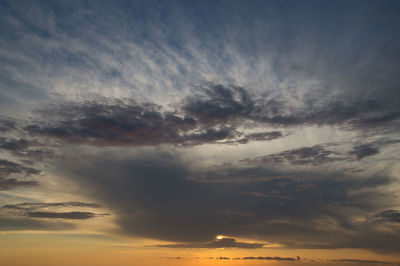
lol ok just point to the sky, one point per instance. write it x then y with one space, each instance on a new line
199 132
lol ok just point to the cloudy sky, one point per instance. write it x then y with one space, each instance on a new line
199 132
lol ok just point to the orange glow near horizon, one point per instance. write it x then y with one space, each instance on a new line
58 249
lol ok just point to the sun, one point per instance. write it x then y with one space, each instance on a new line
219 237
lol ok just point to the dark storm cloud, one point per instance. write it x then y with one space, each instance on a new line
314 155
9 169
63 215
122 124
158 196
119 123
219 243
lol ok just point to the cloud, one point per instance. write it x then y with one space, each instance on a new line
8 169
265 135
315 155
364 261
230 104
118 123
13 224
10 183
45 210
390 216
261 87
41 205
157 195
6 124
36 155
219 104
276 258
20 147
12 144
218 243
272 258
364 150
63 215
215 114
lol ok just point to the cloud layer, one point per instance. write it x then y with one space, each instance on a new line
266 121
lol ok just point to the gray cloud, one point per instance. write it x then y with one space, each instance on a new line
20 147
14 144
315 155
338 65
36 155
40 205
273 258
9 167
49 210
6 124
63 215
219 104
213 115
12 224
153 194
276 258
116 123
364 150
219 243
365 261
10 183
7 171
390 216
265 135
